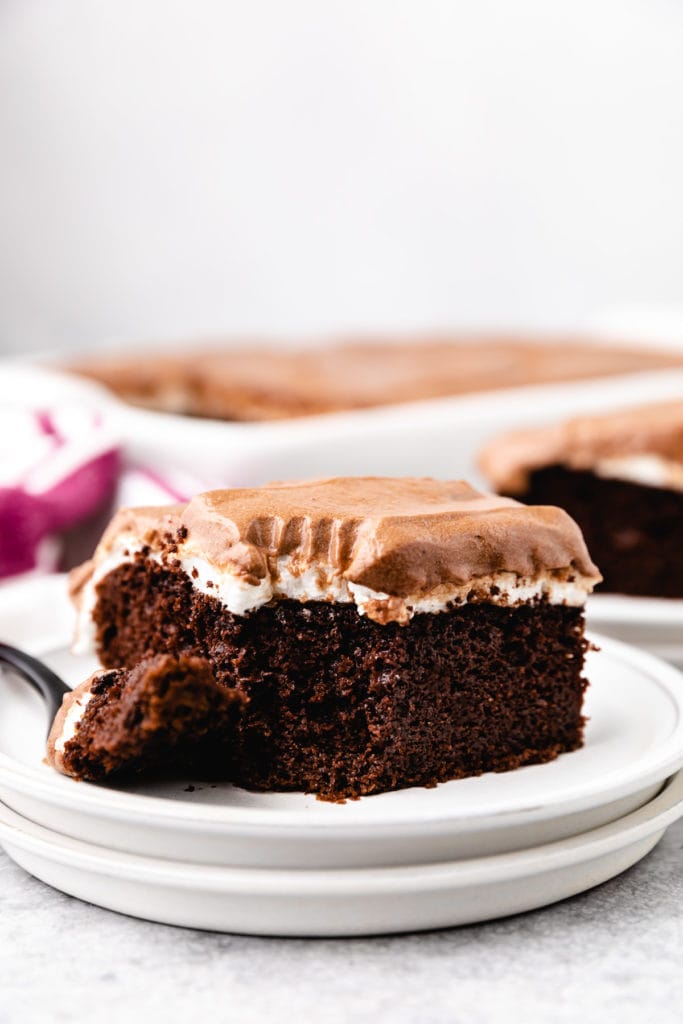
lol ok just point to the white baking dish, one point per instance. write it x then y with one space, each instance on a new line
438 438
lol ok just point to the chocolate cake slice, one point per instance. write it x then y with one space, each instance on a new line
620 476
385 632
165 713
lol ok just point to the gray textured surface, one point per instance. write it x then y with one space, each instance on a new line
613 954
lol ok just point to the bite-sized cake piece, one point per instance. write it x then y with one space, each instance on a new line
620 476
386 632
258 383
167 712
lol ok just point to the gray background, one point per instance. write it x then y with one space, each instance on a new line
174 168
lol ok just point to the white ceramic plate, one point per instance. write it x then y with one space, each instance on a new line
634 741
655 624
350 902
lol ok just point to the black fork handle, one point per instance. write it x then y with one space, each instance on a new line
43 679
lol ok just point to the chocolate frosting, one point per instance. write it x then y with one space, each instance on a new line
400 537
582 442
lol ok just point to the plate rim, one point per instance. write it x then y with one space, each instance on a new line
655 816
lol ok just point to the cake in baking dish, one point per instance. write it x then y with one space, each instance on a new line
257 383
381 633
620 476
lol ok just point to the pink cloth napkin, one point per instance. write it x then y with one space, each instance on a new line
58 466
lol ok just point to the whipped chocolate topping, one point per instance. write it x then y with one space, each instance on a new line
644 442
395 547
398 536
257 383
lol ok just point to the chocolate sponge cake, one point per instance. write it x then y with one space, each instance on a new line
620 476
383 632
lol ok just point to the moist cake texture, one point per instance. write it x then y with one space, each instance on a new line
620 476
167 712
257 383
383 633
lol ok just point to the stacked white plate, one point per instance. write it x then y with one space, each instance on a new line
214 856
